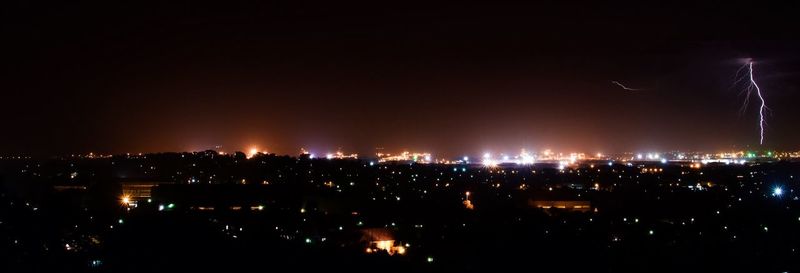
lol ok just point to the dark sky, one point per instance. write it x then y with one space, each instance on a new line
131 76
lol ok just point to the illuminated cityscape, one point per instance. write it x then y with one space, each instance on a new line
337 136
395 210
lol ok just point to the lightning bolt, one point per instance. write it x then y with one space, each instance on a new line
748 92
763 104
625 87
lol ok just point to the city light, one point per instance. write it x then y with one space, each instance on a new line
777 191
388 246
488 162
467 203
525 158
417 157
341 155
252 152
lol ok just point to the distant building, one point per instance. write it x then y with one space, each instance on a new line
135 191
381 240
138 190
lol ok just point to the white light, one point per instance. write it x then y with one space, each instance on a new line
329 156
663 161
777 191
466 158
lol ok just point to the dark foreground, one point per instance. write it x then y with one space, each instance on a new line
219 213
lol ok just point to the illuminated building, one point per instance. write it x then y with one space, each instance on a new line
133 192
381 240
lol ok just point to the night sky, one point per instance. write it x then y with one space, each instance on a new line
452 79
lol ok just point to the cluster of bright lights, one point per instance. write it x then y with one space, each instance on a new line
253 151
387 246
524 158
341 155
726 161
563 164
488 161
405 156
529 158
650 156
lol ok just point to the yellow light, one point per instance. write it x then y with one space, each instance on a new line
385 245
126 200
468 204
